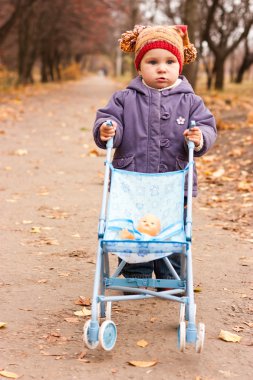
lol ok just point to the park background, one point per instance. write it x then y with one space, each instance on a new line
59 62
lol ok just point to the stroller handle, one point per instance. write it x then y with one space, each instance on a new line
109 143
191 146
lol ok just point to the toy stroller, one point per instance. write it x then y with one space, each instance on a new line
131 195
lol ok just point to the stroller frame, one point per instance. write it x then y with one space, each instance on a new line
181 286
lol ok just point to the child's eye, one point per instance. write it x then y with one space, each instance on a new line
170 62
152 62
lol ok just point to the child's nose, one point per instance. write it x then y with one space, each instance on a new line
162 67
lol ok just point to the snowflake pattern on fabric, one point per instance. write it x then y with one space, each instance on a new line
133 195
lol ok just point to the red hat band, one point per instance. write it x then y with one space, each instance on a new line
158 45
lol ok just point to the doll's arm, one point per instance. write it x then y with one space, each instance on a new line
126 235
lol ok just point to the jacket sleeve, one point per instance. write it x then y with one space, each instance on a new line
205 121
112 111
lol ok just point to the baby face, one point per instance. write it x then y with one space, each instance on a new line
159 68
149 225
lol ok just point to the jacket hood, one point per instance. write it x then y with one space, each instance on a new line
184 87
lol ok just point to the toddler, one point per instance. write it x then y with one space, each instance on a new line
150 118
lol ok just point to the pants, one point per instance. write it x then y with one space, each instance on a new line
158 266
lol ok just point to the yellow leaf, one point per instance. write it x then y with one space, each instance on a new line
42 281
10 375
229 337
2 324
83 313
143 364
218 173
142 343
76 235
71 320
35 230
21 152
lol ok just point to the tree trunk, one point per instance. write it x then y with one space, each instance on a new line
219 74
247 62
191 18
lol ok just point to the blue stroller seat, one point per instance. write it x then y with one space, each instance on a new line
133 195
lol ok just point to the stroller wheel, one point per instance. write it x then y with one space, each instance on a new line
182 336
87 342
108 335
200 338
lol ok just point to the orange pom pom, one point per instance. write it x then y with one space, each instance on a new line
128 39
190 53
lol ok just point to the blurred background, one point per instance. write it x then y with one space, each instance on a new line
45 40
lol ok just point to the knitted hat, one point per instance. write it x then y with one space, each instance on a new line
172 38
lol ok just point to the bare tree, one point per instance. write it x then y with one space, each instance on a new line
11 18
228 22
246 62
187 12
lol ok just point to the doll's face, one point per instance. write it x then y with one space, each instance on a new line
149 225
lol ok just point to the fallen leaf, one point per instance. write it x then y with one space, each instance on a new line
63 274
2 324
218 173
83 313
9 375
93 153
71 320
142 343
143 364
229 337
35 230
82 354
76 235
83 301
226 374
51 242
250 324
21 152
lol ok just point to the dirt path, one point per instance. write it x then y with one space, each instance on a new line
50 193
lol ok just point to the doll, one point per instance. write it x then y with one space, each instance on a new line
148 225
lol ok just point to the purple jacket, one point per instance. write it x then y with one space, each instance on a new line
149 137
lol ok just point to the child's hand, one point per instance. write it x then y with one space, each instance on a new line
194 134
107 131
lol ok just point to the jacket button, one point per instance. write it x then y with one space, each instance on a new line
165 92
121 162
165 116
163 168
